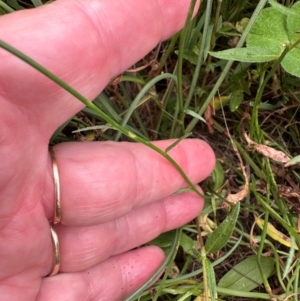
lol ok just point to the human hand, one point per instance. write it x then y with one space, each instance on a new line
115 196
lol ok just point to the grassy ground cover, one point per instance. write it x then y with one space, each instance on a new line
245 103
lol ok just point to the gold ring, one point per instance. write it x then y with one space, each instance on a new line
57 209
56 257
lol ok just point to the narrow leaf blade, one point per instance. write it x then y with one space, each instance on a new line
195 115
37 3
247 54
209 273
293 161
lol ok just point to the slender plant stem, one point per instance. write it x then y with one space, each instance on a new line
168 51
182 44
254 118
201 54
262 242
211 44
90 105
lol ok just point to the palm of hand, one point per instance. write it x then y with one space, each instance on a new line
102 205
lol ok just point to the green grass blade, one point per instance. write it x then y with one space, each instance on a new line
5 7
201 54
177 141
141 94
37 3
182 44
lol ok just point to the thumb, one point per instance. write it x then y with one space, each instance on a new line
85 43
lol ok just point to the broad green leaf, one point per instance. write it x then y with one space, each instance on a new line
218 239
188 244
245 276
236 99
291 61
218 176
164 240
248 54
269 31
293 23
277 29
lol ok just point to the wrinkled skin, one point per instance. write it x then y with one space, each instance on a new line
115 196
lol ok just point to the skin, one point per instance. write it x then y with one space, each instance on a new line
115 196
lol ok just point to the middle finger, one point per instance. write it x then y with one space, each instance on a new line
101 181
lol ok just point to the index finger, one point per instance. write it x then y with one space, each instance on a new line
101 181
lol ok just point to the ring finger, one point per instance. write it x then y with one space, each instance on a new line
84 247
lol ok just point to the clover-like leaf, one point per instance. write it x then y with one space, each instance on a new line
269 31
273 31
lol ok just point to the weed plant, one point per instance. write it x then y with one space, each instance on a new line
230 77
